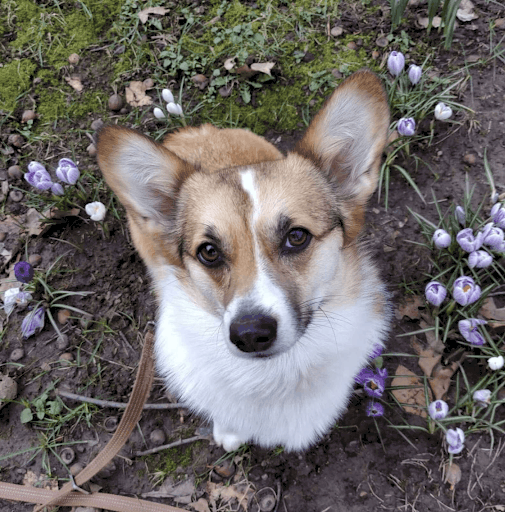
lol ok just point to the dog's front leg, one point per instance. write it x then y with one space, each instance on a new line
230 441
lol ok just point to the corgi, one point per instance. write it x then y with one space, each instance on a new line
268 303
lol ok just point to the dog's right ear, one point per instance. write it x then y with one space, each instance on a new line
144 175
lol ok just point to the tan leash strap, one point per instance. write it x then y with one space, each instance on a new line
131 416
99 500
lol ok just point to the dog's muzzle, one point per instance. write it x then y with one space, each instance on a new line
253 333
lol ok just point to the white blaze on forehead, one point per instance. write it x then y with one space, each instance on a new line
249 186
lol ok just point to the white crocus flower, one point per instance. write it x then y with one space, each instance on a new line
96 210
443 111
167 95
174 109
158 113
496 363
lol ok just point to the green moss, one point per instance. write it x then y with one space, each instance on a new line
168 461
15 80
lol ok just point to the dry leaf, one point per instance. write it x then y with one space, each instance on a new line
441 379
452 474
144 13
465 11
75 82
136 95
41 481
229 64
263 67
427 357
180 492
491 312
241 492
200 506
411 307
412 399
33 222
433 342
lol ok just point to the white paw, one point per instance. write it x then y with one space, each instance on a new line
228 440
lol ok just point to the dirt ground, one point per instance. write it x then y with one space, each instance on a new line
354 467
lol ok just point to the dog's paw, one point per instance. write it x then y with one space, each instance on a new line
228 440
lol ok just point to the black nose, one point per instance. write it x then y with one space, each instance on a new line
253 333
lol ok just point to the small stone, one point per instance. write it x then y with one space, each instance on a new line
226 469
67 455
452 474
16 140
382 42
8 389
157 437
28 115
85 320
499 23
45 367
5 188
63 316
3 175
352 45
96 124
3 236
267 502
16 195
336 31
149 83
35 259
115 102
67 356
200 81
336 73
14 172
62 342
76 468
375 55
17 354
73 59
91 149
469 158
225 91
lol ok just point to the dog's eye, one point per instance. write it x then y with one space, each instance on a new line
296 241
209 255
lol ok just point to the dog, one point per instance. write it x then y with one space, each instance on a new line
269 305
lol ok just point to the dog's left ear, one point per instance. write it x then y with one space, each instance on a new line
346 139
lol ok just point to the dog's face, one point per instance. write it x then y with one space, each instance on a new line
258 240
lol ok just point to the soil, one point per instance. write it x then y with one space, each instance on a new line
357 466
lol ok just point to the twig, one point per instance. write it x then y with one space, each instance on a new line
115 405
171 445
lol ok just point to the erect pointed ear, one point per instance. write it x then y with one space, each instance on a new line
345 140
144 175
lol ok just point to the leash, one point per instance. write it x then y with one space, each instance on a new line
67 495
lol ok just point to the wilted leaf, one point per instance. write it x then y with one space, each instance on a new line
180 492
136 95
411 307
263 67
433 342
441 379
241 492
229 64
491 312
465 11
75 82
412 397
33 222
200 506
144 13
427 357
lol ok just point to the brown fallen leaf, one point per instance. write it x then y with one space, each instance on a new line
144 13
263 67
490 312
441 379
200 506
34 222
242 492
427 357
433 342
180 492
75 82
412 396
411 307
136 95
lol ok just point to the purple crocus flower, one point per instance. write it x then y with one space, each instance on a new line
415 73
492 236
482 397
38 177
456 440
374 385
498 215
376 351
33 322
480 259
467 241
435 293
441 239
67 171
364 375
374 409
396 63
406 126
469 331
57 189
465 291
23 271
438 410
460 214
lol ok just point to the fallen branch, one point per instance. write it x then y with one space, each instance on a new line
171 445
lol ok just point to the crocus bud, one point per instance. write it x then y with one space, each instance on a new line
442 111
460 215
455 440
167 96
374 409
468 328
465 291
96 210
435 293
495 363
33 322
158 113
174 109
498 215
376 351
441 239
467 241
15 297
415 73
38 177
67 171
57 189
396 62
438 410
480 259
492 236
406 126
482 397
23 271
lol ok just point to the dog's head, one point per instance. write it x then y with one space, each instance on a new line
258 240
